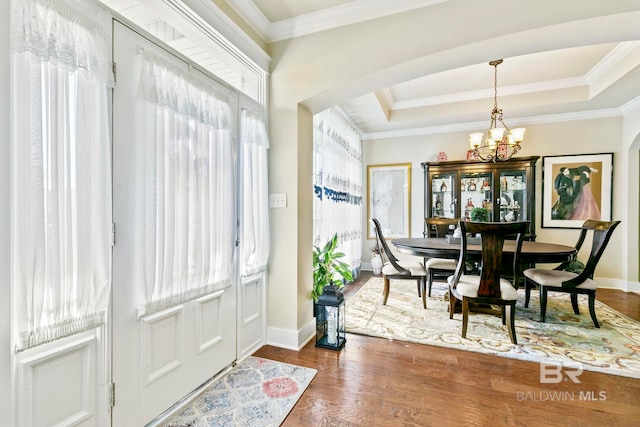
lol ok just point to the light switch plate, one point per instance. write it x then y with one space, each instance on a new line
278 200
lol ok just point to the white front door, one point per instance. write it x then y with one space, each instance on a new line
160 358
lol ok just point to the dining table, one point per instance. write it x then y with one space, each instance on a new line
532 252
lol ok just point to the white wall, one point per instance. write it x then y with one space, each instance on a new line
576 137
631 172
5 295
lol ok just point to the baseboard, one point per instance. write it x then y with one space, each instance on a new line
289 339
621 284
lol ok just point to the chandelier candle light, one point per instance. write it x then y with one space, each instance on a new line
500 143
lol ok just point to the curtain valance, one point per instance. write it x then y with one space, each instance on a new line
67 33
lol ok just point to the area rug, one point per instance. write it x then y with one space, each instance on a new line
257 392
565 338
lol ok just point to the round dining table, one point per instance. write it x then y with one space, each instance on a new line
532 252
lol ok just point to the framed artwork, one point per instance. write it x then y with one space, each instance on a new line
576 188
389 199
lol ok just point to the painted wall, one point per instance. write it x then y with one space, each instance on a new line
631 171
577 137
318 71
5 294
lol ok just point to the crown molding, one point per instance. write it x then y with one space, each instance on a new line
326 19
215 24
248 10
463 127
488 93
616 55
630 106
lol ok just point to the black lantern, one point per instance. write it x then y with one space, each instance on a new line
330 331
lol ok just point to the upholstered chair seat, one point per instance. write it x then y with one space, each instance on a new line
415 268
441 263
468 287
553 277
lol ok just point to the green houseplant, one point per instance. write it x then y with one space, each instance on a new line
327 268
479 215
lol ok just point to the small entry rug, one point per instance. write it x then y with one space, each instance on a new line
564 338
257 392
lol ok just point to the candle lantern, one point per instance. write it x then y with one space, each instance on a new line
330 331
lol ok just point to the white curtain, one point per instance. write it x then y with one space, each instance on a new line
254 224
61 197
185 126
337 169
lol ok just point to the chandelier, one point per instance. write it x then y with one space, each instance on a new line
499 143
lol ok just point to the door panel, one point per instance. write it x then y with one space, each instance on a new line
251 314
77 364
159 358
443 196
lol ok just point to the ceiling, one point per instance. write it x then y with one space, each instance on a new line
581 82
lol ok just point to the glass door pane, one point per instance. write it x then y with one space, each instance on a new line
443 199
513 196
476 191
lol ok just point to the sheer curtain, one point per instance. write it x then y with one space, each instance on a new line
254 224
61 197
337 169
186 128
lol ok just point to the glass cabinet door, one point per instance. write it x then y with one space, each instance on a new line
476 191
513 196
443 199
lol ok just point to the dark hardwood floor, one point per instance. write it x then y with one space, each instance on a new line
378 382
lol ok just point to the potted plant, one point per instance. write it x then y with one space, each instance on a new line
479 215
328 270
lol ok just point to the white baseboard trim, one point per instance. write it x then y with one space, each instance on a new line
621 284
292 340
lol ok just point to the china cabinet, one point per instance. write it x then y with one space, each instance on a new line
506 189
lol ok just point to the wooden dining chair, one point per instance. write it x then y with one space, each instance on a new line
561 280
439 267
396 269
487 287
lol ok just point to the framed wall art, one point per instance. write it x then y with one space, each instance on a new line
389 199
576 188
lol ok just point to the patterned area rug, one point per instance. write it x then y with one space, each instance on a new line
257 392
564 338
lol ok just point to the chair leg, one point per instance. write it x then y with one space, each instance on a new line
543 302
527 292
592 308
465 316
422 284
385 292
419 289
430 274
502 314
511 322
574 303
452 304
